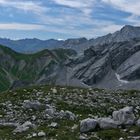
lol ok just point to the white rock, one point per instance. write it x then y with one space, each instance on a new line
34 135
41 134
74 127
33 117
54 125
54 90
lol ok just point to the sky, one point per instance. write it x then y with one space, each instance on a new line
62 19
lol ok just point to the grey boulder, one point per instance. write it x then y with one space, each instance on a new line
124 116
69 115
87 125
32 105
107 123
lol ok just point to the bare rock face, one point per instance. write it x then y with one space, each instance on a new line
100 64
130 69
88 125
124 116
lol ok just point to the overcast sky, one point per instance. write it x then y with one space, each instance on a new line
61 19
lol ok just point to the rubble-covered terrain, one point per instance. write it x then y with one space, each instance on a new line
60 113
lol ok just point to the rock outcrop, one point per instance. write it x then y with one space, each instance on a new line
122 118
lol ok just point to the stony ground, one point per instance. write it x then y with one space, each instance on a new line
55 113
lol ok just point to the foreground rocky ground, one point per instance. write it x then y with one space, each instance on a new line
59 113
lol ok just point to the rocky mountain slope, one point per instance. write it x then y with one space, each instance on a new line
61 113
125 34
113 64
79 44
18 70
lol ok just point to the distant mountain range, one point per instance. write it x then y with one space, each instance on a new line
35 45
79 44
111 62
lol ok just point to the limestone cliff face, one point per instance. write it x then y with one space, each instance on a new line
100 66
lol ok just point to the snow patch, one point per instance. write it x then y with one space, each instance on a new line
119 79
60 39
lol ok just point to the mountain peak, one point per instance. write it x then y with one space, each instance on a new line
130 28
127 28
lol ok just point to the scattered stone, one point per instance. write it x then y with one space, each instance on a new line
74 127
70 116
61 114
32 105
24 127
8 124
33 117
83 138
34 135
132 131
41 134
54 90
14 115
50 112
54 125
133 137
67 115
